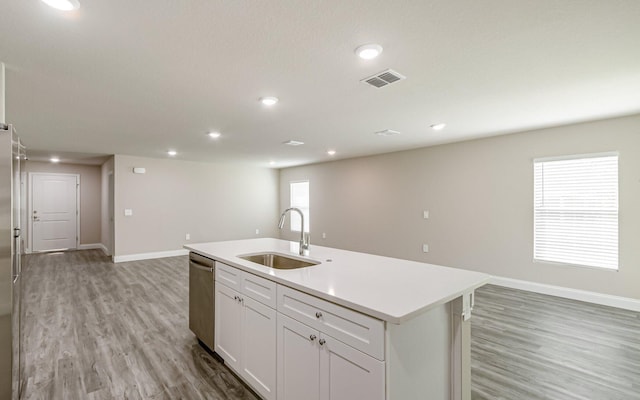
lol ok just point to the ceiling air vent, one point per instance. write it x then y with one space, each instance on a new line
387 132
384 78
293 143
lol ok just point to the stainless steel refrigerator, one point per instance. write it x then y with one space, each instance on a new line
11 158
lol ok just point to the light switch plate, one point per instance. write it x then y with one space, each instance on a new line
187 236
425 248
128 212
425 214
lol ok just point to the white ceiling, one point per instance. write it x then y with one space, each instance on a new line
140 77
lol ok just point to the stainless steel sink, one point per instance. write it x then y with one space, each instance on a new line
278 261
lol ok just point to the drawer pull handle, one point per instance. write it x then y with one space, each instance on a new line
322 342
312 337
318 314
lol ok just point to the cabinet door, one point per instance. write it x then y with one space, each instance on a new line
347 373
298 361
228 323
259 347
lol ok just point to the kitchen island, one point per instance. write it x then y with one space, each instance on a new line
354 326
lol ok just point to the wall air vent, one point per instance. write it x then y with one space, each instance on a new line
384 78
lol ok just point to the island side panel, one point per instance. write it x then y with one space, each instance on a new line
460 352
418 354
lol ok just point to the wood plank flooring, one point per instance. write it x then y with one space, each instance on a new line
531 346
97 330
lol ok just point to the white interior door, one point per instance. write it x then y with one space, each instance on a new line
54 211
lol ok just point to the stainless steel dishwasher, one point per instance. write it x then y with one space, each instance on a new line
201 298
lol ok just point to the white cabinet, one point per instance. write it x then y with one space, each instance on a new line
360 331
347 373
245 335
298 361
308 349
228 323
259 347
313 365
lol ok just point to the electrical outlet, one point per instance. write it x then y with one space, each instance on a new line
257 231
425 214
128 212
425 248
187 236
324 235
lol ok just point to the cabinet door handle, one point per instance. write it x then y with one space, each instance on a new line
318 314
312 337
322 342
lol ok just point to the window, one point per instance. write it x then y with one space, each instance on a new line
576 210
300 199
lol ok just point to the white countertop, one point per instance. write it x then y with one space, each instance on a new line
387 288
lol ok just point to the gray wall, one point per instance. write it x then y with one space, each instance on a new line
209 201
90 193
479 194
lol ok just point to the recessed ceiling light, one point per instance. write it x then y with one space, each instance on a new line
172 153
63 5
272 163
293 143
54 159
331 152
214 135
369 51
268 101
438 127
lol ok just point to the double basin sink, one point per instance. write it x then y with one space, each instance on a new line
278 261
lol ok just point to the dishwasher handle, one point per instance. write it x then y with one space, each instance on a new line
201 262
200 266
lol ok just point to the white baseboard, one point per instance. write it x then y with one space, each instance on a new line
90 246
148 256
568 293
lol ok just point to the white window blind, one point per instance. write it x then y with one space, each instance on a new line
300 199
576 211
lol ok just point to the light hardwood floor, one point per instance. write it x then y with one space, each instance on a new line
97 330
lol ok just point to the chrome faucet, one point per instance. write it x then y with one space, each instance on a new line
304 237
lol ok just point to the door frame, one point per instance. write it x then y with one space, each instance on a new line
30 206
111 212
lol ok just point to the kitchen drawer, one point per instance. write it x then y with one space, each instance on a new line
259 289
353 328
229 276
